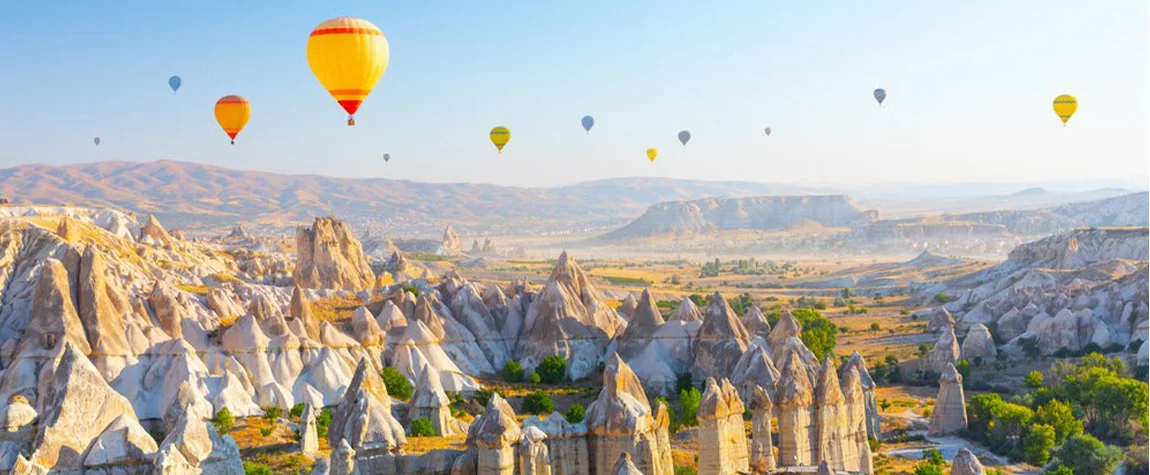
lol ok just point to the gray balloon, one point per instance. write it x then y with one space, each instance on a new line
96 140
684 137
387 157
767 131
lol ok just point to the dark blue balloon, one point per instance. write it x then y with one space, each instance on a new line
174 82
684 137
588 122
880 95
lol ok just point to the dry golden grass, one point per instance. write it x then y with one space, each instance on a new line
336 308
225 277
195 289
682 459
420 445
228 321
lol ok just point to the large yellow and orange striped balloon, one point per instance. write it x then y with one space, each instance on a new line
233 112
348 56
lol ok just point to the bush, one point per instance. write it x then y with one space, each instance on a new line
223 420
411 288
513 371
1085 455
874 327
253 468
1059 470
963 368
1036 444
322 423
689 406
483 396
534 378
942 298
933 456
266 431
538 403
552 370
574 413
928 469
396 383
1058 415
296 411
273 413
422 427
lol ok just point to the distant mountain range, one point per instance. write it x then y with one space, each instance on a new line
193 196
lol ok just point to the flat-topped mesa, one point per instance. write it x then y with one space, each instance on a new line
722 444
945 351
857 362
856 447
831 418
329 256
720 342
762 459
795 407
644 320
756 322
687 311
966 463
567 310
949 414
621 420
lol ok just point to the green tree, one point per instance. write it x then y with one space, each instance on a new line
689 406
273 413
534 378
934 456
396 383
538 402
963 368
819 334
1058 415
1033 379
552 370
1059 470
513 371
1036 444
296 411
928 469
575 413
942 298
223 420
1086 455
322 422
254 468
422 427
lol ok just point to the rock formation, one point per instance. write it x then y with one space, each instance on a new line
364 421
153 233
755 368
945 351
722 444
644 319
720 341
566 444
873 425
784 339
53 320
687 311
494 437
949 414
856 447
621 420
756 322
301 312
534 459
123 447
567 318
627 307
101 308
762 459
624 466
796 413
831 421
329 256
939 319
978 344
965 463
451 245
430 401
309 439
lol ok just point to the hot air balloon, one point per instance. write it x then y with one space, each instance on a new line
880 95
500 136
233 112
348 56
174 83
684 137
387 157
96 141
588 122
767 131
652 153
1064 106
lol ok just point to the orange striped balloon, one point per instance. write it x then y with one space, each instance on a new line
348 56
233 112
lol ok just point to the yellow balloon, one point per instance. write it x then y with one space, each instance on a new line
652 153
1064 106
500 136
348 56
233 112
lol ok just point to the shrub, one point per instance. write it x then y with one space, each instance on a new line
684 382
1059 470
397 384
942 298
689 406
266 431
322 423
534 378
574 413
273 413
963 368
1085 455
223 420
1058 415
422 427
483 396
928 469
1036 444
933 456
296 411
253 468
552 370
537 403
513 371
874 327
411 288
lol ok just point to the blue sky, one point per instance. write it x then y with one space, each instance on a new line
970 87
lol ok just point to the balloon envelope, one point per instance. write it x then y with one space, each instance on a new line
652 153
500 136
96 140
174 82
588 122
1064 106
387 157
348 56
880 95
684 137
767 131
232 113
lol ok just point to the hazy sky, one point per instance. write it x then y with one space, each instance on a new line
970 87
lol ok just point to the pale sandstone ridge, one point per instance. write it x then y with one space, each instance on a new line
567 318
621 420
965 463
309 439
329 256
53 320
566 444
451 243
722 444
720 342
627 306
949 414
